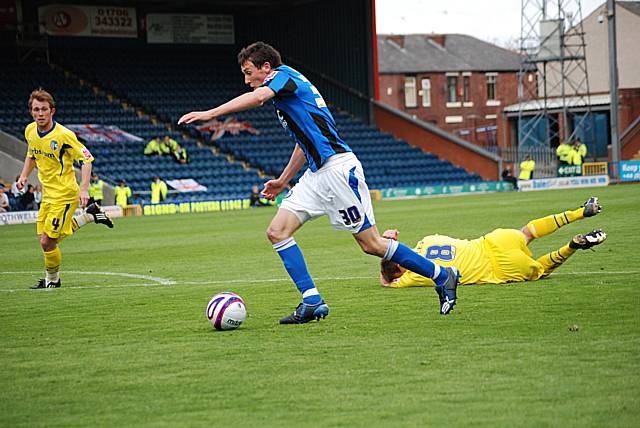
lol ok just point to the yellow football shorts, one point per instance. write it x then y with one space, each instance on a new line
56 219
512 259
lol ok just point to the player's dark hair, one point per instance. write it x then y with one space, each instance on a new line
389 270
42 96
258 53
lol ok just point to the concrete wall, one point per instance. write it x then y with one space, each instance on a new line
434 140
596 39
12 154
597 50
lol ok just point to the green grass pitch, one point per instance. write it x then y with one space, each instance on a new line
109 349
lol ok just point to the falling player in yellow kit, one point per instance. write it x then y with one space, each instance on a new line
53 149
498 257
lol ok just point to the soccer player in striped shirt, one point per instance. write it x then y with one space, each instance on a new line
333 185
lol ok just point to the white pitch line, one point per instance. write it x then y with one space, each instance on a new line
258 281
164 282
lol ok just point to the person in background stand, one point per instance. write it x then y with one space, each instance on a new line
96 189
580 152
37 195
168 146
509 178
123 193
153 147
27 200
257 200
4 200
527 166
158 190
180 154
563 152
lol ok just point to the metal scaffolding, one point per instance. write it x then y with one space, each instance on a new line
556 103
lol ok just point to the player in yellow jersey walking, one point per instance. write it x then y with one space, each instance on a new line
53 149
497 257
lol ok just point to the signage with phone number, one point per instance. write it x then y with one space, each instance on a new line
90 21
113 17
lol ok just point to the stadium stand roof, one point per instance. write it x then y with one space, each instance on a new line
557 103
415 53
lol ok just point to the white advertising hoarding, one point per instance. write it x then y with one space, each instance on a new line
26 217
563 182
190 29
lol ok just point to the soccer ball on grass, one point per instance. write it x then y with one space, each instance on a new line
226 311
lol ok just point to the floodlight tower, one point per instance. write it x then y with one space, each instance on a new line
552 46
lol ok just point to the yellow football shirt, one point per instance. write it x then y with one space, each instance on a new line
470 257
54 152
496 258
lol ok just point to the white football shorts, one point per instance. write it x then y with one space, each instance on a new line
339 190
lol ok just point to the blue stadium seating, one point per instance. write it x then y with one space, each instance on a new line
80 104
169 83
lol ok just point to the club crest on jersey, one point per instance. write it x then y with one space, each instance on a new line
270 76
54 145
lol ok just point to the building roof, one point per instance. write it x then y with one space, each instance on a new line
631 6
416 53
557 103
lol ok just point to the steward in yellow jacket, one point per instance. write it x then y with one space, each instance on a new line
158 190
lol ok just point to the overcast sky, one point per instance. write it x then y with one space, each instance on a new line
492 20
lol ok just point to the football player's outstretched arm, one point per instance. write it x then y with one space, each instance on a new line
273 188
84 184
29 164
240 103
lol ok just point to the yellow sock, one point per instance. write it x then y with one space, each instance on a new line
546 225
554 259
74 224
52 260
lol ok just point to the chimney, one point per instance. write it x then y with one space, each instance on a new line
397 39
437 38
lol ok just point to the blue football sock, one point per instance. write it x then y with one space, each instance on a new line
409 259
294 262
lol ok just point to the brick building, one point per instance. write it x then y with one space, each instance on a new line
596 37
454 81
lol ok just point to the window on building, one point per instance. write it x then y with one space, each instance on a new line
452 86
466 94
410 96
491 87
426 93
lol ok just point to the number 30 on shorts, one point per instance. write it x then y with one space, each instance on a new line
350 215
